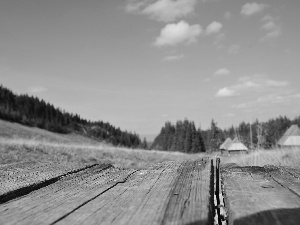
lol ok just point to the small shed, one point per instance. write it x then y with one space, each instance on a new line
223 147
237 147
291 137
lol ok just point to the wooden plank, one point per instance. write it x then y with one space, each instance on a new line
51 203
190 205
295 172
167 193
261 195
170 193
285 178
20 175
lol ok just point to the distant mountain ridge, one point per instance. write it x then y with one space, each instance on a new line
32 111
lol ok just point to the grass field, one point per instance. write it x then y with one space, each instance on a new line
20 143
277 157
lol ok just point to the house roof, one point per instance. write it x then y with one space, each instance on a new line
226 144
236 140
292 141
237 147
291 137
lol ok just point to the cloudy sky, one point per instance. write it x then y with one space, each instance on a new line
139 63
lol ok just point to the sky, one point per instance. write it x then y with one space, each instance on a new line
139 63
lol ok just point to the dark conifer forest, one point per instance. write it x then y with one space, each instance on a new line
183 136
32 111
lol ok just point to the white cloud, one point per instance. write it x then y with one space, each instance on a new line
276 83
268 98
273 98
222 71
210 0
272 27
252 8
177 33
162 10
279 98
228 15
272 34
234 49
134 6
173 57
213 28
37 89
260 81
240 106
255 83
226 92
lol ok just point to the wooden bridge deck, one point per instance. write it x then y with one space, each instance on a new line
191 192
262 195
167 193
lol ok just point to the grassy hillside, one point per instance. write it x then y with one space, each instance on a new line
34 112
17 131
21 143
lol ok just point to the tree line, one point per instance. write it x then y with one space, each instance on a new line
182 136
32 111
262 135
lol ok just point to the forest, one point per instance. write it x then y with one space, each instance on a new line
183 136
32 111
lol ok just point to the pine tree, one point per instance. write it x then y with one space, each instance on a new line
144 144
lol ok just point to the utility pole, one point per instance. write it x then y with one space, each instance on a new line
251 144
259 134
236 135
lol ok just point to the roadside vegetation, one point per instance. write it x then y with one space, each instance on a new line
19 143
278 157
17 150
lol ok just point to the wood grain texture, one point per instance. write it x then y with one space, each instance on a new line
53 202
20 175
261 195
189 202
170 193
166 193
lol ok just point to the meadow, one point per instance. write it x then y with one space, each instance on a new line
277 157
20 143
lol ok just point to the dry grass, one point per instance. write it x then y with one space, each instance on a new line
17 131
277 157
17 150
20 143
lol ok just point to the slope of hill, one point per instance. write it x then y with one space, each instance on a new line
32 111
20 143
11 130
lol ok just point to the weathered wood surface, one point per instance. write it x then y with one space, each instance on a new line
261 195
167 193
19 175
